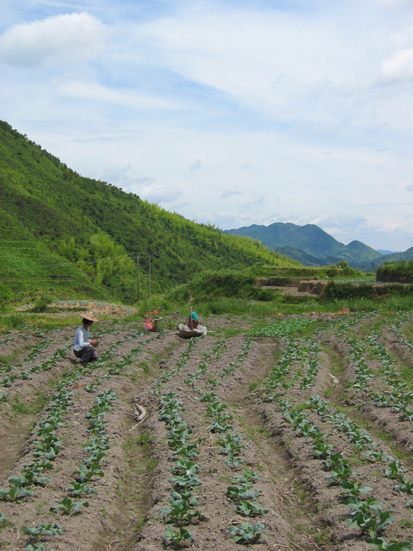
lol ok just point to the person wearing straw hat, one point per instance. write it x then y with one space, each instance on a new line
83 348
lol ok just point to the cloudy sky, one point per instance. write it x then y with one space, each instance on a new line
231 112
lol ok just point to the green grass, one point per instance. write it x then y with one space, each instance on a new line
405 524
144 439
8 360
336 362
144 366
20 407
408 330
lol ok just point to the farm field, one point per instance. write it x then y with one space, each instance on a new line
296 435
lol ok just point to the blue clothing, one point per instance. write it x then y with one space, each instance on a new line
193 316
81 339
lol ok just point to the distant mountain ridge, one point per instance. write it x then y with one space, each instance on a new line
312 246
395 257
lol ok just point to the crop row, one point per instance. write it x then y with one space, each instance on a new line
203 366
181 363
232 366
230 445
365 514
368 514
284 328
363 442
343 324
47 444
9 379
240 491
396 327
91 466
305 354
181 507
35 351
399 395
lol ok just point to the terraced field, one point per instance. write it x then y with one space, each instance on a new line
297 435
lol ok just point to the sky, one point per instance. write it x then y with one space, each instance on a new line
228 112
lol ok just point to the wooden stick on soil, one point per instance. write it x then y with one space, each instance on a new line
140 415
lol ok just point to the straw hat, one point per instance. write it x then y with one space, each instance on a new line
89 316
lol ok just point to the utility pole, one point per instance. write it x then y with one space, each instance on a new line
149 277
137 266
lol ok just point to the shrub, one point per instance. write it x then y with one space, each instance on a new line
400 272
41 304
348 291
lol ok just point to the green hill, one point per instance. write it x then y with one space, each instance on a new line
301 256
74 236
317 246
395 257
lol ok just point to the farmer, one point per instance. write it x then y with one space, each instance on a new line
83 348
193 320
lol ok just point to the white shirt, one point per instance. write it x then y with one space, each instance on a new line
81 338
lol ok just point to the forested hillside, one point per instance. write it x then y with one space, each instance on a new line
309 244
72 235
405 256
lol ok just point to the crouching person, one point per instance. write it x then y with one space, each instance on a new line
83 348
193 320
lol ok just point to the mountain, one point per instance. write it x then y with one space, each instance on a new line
394 257
74 236
385 251
309 244
302 257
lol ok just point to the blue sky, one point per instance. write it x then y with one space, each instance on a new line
231 113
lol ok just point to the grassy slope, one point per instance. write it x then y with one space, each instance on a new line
28 268
45 203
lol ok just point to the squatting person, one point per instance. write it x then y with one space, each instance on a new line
83 348
193 320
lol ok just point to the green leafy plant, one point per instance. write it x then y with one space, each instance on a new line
16 491
35 547
250 509
247 533
69 507
382 545
42 529
175 538
368 515
354 488
180 510
78 488
395 470
3 519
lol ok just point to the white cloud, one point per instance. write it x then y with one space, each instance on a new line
131 98
160 194
127 178
69 37
400 65
301 114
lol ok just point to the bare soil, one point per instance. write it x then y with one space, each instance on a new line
127 511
